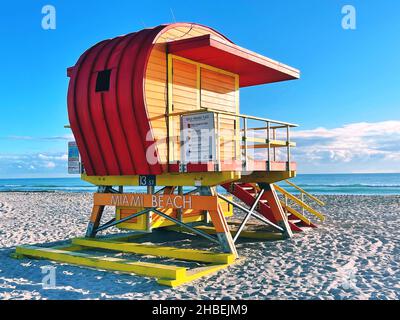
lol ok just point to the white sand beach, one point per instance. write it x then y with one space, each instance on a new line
354 254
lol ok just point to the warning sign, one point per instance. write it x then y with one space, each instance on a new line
198 138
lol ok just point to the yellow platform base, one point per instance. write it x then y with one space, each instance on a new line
168 275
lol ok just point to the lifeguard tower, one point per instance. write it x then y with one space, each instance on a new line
159 108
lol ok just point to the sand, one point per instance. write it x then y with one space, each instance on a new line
354 254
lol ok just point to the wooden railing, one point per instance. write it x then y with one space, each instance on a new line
263 136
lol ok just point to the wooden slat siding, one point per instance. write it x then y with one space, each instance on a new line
156 85
213 95
212 92
156 97
227 144
227 107
184 95
184 103
219 79
216 97
218 92
155 75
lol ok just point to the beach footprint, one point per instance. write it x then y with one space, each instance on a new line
2 209
5 208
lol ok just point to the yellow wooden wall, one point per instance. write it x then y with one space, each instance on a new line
216 93
156 97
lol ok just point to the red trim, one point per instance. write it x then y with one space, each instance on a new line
254 69
233 166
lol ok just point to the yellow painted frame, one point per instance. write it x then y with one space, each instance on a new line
114 264
170 123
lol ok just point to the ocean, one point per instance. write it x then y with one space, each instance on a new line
356 184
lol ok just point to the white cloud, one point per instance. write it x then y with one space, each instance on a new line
355 147
40 164
50 165
32 138
63 157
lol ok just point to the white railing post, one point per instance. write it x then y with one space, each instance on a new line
245 142
288 147
218 146
268 146
274 137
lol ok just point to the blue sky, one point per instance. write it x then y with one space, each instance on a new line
347 101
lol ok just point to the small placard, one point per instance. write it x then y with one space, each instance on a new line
148 180
73 151
74 159
198 138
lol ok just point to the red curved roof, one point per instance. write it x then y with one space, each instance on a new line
110 129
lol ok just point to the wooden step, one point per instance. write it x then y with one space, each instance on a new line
158 251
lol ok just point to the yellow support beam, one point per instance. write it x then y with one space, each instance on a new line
158 251
300 203
123 236
107 263
321 203
192 275
273 144
179 179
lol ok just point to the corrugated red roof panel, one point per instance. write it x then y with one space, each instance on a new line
111 128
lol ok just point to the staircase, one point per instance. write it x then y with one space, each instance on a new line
247 192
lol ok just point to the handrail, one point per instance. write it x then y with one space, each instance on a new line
321 203
299 202
265 128
269 142
243 116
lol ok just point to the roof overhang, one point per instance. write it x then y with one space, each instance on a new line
253 68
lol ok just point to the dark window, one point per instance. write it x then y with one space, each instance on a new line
103 81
